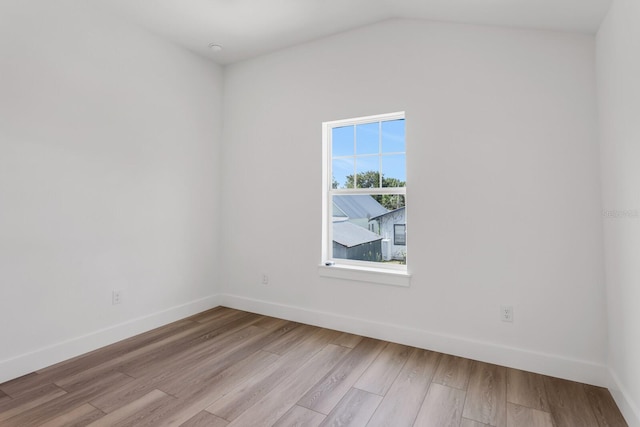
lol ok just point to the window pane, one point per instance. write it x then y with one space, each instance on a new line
364 229
341 170
399 234
368 172
394 171
368 139
355 233
393 136
342 141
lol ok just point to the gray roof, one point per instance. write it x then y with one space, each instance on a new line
388 212
357 206
350 235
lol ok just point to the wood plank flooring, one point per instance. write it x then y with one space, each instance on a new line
226 367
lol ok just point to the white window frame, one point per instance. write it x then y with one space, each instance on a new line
368 271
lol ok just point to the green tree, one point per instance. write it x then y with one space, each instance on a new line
390 201
392 182
371 179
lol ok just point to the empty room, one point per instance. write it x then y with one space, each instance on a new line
320 212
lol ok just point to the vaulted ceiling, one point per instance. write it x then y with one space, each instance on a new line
248 28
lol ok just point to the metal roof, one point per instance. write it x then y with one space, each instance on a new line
358 206
350 235
388 212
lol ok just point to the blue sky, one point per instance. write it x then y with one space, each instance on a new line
369 151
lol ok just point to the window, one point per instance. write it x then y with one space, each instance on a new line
399 234
364 186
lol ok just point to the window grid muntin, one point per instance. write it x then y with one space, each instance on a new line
380 154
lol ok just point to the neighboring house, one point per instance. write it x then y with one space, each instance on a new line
393 230
351 241
359 209
354 235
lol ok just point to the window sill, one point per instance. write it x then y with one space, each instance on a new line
365 274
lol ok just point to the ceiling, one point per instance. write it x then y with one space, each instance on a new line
248 28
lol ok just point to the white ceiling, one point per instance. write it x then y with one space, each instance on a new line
248 28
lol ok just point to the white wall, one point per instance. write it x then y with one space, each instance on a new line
108 163
503 194
618 62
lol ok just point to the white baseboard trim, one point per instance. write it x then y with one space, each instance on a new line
47 356
547 364
629 409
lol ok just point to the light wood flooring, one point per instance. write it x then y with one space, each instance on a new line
226 367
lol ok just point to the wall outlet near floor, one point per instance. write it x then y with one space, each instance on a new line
265 279
116 297
506 313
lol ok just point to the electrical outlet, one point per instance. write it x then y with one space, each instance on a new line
506 313
265 279
116 297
